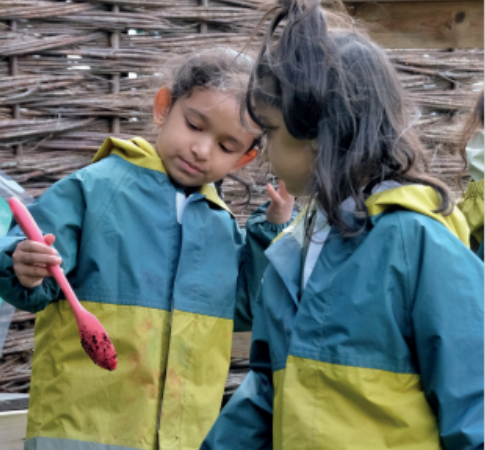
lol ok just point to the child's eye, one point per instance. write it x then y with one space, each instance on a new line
192 126
225 149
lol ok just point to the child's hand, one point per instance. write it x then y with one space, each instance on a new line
31 258
281 207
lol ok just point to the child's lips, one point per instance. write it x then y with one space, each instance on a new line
191 168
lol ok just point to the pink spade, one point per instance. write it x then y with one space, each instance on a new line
94 338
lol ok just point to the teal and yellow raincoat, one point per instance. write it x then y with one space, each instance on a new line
163 285
382 349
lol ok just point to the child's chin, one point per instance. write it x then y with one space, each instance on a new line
186 180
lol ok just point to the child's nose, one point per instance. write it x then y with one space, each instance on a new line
202 149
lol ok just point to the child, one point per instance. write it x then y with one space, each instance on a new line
472 152
154 253
368 329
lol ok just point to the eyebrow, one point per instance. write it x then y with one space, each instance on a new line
206 119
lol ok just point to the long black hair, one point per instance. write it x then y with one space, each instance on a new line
335 86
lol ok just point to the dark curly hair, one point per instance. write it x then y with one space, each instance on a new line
219 68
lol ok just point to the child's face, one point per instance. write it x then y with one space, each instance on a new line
201 139
291 159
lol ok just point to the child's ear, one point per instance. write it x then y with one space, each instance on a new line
161 106
245 159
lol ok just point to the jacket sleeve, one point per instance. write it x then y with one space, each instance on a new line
253 262
446 283
246 421
59 211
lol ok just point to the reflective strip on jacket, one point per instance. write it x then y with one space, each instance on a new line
165 293
382 350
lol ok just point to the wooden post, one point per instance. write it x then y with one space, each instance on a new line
241 345
14 70
13 426
115 80
203 26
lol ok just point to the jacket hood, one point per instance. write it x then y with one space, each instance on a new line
136 150
420 199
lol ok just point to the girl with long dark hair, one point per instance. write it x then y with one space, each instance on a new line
368 329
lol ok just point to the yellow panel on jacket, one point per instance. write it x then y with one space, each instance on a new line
133 389
325 398
196 364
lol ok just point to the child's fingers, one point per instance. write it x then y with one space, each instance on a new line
49 239
280 196
273 195
31 271
283 192
30 258
29 246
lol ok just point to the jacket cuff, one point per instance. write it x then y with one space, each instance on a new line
258 217
28 299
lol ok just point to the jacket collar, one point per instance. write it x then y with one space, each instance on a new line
420 199
285 253
141 153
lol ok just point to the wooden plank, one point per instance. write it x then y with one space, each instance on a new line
410 24
13 402
13 426
241 343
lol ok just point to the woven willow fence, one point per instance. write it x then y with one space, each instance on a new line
67 82
66 77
